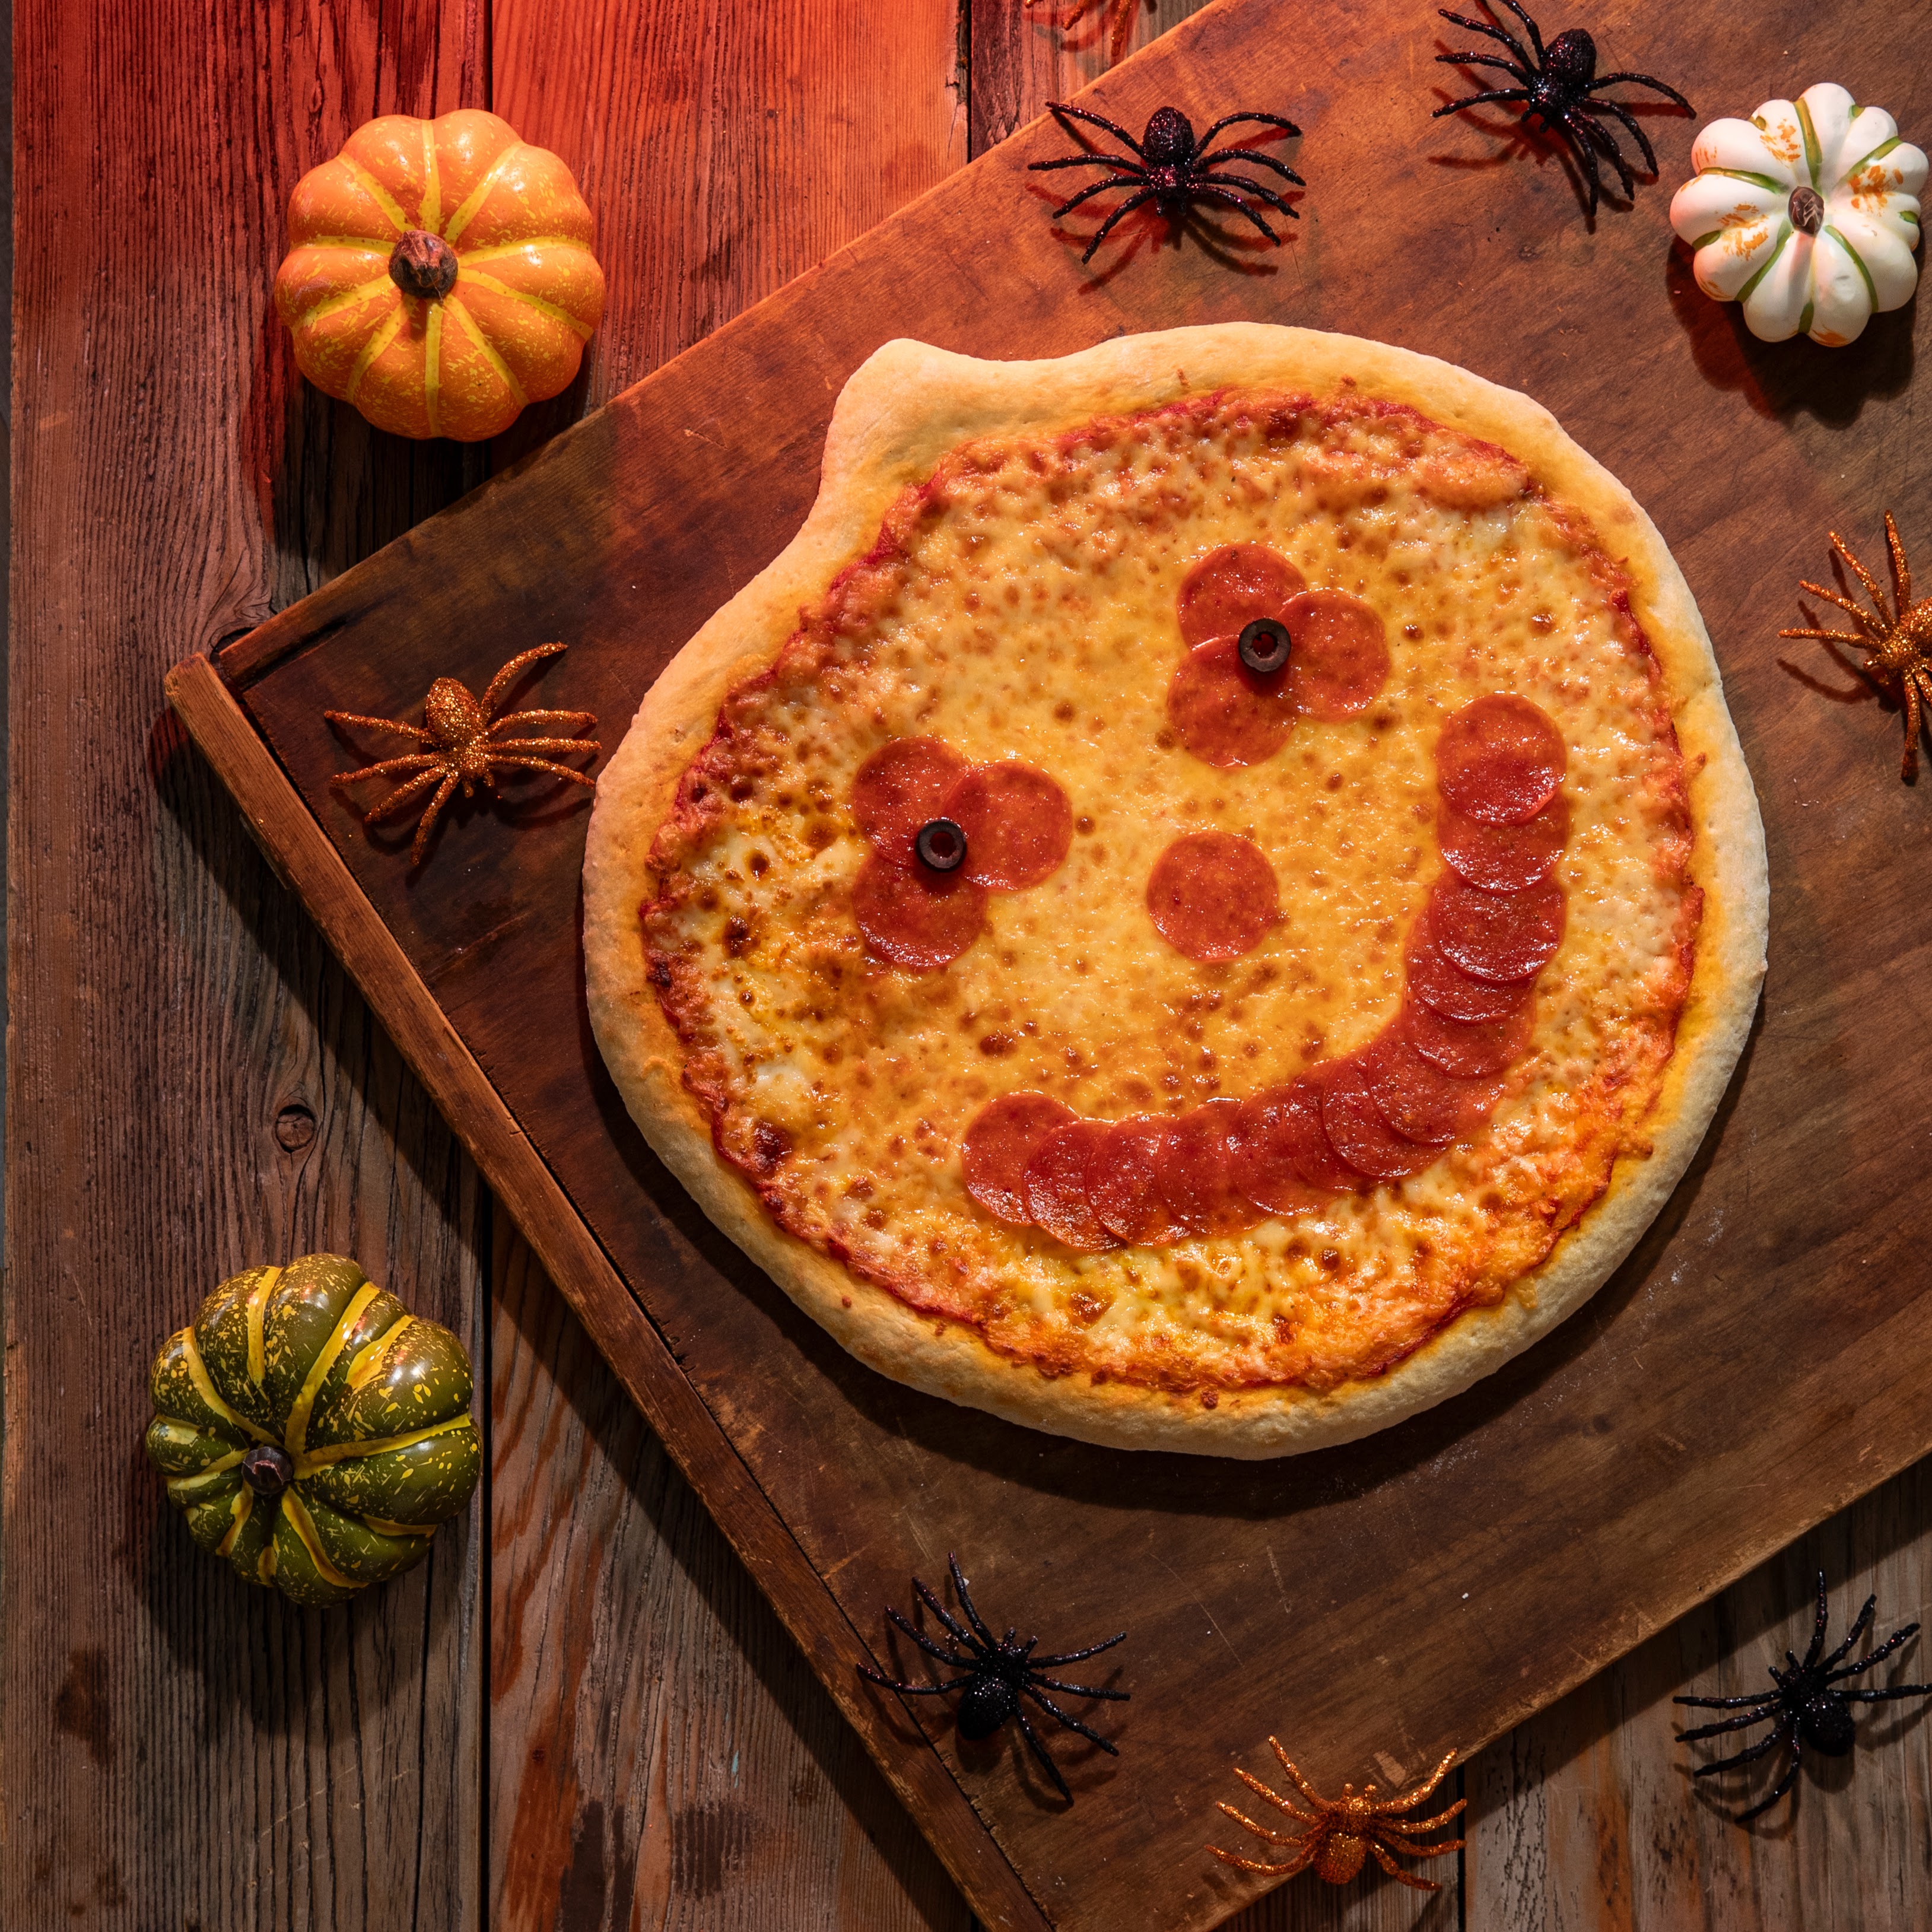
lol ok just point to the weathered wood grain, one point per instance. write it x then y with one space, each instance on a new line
193 1084
658 1746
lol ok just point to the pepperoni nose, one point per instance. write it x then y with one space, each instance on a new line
1264 645
941 845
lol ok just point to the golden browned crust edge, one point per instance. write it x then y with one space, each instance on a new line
900 412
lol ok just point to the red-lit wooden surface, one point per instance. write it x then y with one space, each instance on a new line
585 1716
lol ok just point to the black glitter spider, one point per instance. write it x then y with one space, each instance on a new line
1555 85
998 1675
1805 1708
1174 168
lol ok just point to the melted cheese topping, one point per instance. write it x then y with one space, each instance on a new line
1022 605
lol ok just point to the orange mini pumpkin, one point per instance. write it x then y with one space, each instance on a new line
439 274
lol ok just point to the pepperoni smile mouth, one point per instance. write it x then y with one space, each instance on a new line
1495 917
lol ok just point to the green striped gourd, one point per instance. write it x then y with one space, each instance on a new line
314 1430
1807 213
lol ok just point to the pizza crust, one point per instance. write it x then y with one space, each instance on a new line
903 410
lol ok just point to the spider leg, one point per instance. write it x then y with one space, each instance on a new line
1592 135
1783 1785
1073 1723
1494 33
498 686
1411 1800
1875 626
1509 67
965 1597
1287 1870
1200 191
1871 1657
1482 100
1901 571
1766 1697
951 1657
1535 38
1261 1830
1914 724
1040 1751
1880 1696
1079 1656
564 745
575 721
1865 577
1063 114
1268 194
1743 1723
1831 637
1395 1872
1085 1690
1408 1827
404 795
1857 1630
1586 158
912 1689
1242 157
1133 202
1099 187
1640 80
1227 121
1274 1798
556 770
939 1609
415 731
412 761
1785 1733
1301 1784
1630 121
1090 159
419 846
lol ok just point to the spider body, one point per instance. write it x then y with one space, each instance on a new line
1000 1672
1896 638
1557 84
1345 1833
1806 1708
1169 167
460 746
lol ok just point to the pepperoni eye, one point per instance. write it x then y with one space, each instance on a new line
941 845
1264 645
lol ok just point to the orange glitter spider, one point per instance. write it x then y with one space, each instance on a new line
460 746
1896 641
1345 1832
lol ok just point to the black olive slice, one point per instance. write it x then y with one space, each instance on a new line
941 845
1264 645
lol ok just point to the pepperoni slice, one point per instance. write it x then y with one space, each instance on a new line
1417 1098
1504 858
1000 1142
1340 659
1496 936
1056 1186
913 917
1212 895
1223 713
1124 1183
1449 990
1359 1133
1019 825
1500 759
1283 1158
899 787
1231 586
1200 1176
1469 1052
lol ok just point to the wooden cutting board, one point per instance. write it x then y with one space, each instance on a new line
1758 1362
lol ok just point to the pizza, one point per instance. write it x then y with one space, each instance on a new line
1205 900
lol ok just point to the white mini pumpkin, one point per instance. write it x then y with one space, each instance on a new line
1808 213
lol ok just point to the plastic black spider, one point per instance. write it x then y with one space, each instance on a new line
1805 1708
1555 84
1174 169
998 1675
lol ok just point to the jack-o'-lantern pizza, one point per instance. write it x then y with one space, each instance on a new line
1203 903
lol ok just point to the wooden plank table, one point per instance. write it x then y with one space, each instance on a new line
579 1713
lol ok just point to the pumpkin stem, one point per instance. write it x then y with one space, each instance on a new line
423 265
1807 210
267 1469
